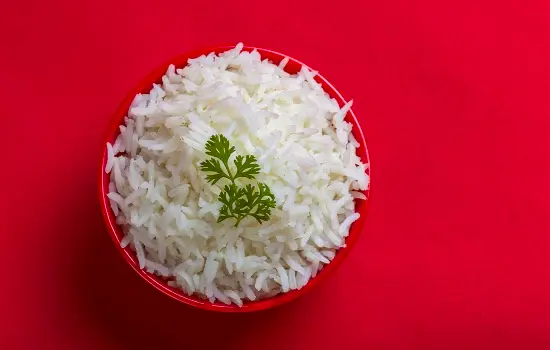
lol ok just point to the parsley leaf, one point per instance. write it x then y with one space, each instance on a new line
263 200
215 167
218 146
246 167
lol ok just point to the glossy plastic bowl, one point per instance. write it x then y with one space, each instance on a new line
159 283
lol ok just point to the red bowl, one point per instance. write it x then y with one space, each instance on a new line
293 66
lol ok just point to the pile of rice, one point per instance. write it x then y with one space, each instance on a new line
307 157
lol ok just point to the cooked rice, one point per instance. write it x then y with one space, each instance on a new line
307 156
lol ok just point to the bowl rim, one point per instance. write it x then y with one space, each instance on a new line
117 119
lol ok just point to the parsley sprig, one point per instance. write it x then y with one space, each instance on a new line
238 202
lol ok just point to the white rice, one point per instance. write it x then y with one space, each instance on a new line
307 157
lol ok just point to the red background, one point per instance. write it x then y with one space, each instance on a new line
453 98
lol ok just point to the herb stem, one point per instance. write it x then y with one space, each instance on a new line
238 220
229 175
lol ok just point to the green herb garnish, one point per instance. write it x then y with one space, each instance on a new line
238 202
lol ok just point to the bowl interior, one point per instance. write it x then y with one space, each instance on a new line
116 233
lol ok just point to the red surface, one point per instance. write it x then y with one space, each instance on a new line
454 99
293 66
